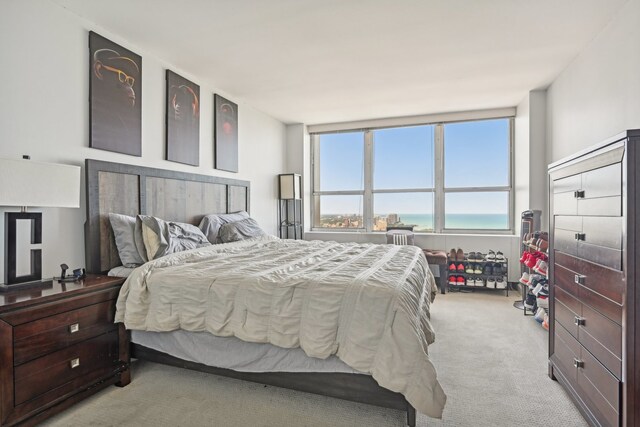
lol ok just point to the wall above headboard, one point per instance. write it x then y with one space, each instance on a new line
132 190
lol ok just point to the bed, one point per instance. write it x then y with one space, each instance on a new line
184 197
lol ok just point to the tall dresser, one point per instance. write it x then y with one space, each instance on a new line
594 340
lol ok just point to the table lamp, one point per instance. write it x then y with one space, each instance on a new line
26 183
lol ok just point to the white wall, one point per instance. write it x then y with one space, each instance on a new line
598 94
298 159
44 85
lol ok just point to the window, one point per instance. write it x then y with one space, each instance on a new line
438 177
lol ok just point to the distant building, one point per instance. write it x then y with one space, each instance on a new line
392 219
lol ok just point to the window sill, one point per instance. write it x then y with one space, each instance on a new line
469 233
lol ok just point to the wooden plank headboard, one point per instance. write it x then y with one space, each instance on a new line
133 190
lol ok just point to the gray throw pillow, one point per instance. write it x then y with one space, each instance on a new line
128 240
210 224
240 230
165 237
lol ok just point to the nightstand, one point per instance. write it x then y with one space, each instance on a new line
58 345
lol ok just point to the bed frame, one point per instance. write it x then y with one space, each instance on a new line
187 197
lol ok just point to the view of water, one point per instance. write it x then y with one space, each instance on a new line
424 222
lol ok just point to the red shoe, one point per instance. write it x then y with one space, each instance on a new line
461 281
532 261
524 257
452 280
452 267
461 268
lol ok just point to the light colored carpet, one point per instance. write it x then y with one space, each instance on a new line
491 361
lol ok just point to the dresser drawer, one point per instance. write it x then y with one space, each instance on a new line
600 388
601 246
42 336
53 372
567 308
605 281
575 283
603 338
566 352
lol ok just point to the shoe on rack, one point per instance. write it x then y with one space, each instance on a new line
479 281
500 257
497 268
453 281
530 302
477 269
543 245
469 269
532 260
539 316
459 255
524 257
491 256
472 257
543 301
488 269
460 268
545 322
460 281
452 255
491 282
501 283
452 266
524 279
541 268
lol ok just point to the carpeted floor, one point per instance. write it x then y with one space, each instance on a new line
491 362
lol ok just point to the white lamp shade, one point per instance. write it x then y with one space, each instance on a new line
35 184
290 186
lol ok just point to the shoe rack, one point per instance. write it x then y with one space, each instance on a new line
479 271
534 261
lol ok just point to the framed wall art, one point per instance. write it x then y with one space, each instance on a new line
182 120
225 134
115 97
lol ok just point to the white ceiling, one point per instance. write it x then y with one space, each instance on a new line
319 61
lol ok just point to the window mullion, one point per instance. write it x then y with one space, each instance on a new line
439 179
368 181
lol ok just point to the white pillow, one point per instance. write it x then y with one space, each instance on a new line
128 240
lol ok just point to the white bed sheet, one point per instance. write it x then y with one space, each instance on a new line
233 353
120 271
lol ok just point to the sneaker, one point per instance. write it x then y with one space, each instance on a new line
452 267
530 301
501 283
545 322
543 302
452 280
532 260
479 281
477 269
524 279
539 316
469 269
488 269
491 256
500 257
543 245
537 289
459 255
491 282
460 268
472 256
541 268
452 254
497 268
460 281
524 257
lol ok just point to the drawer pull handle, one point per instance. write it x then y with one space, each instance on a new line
581 236
74 328
578 194
578 321
75 363
578 363
579 279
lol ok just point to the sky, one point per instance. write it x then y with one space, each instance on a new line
476 154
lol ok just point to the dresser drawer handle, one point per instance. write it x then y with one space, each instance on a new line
578 194
74 328
578 321
578 363
580 236
579 279
75 363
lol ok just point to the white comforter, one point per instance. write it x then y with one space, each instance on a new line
368 304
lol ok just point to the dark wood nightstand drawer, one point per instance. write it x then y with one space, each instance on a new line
34 339
52 372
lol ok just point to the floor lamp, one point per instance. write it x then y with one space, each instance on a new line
290 209
25 183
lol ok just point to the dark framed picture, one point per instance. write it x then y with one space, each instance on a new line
182 120
225 134
115 97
